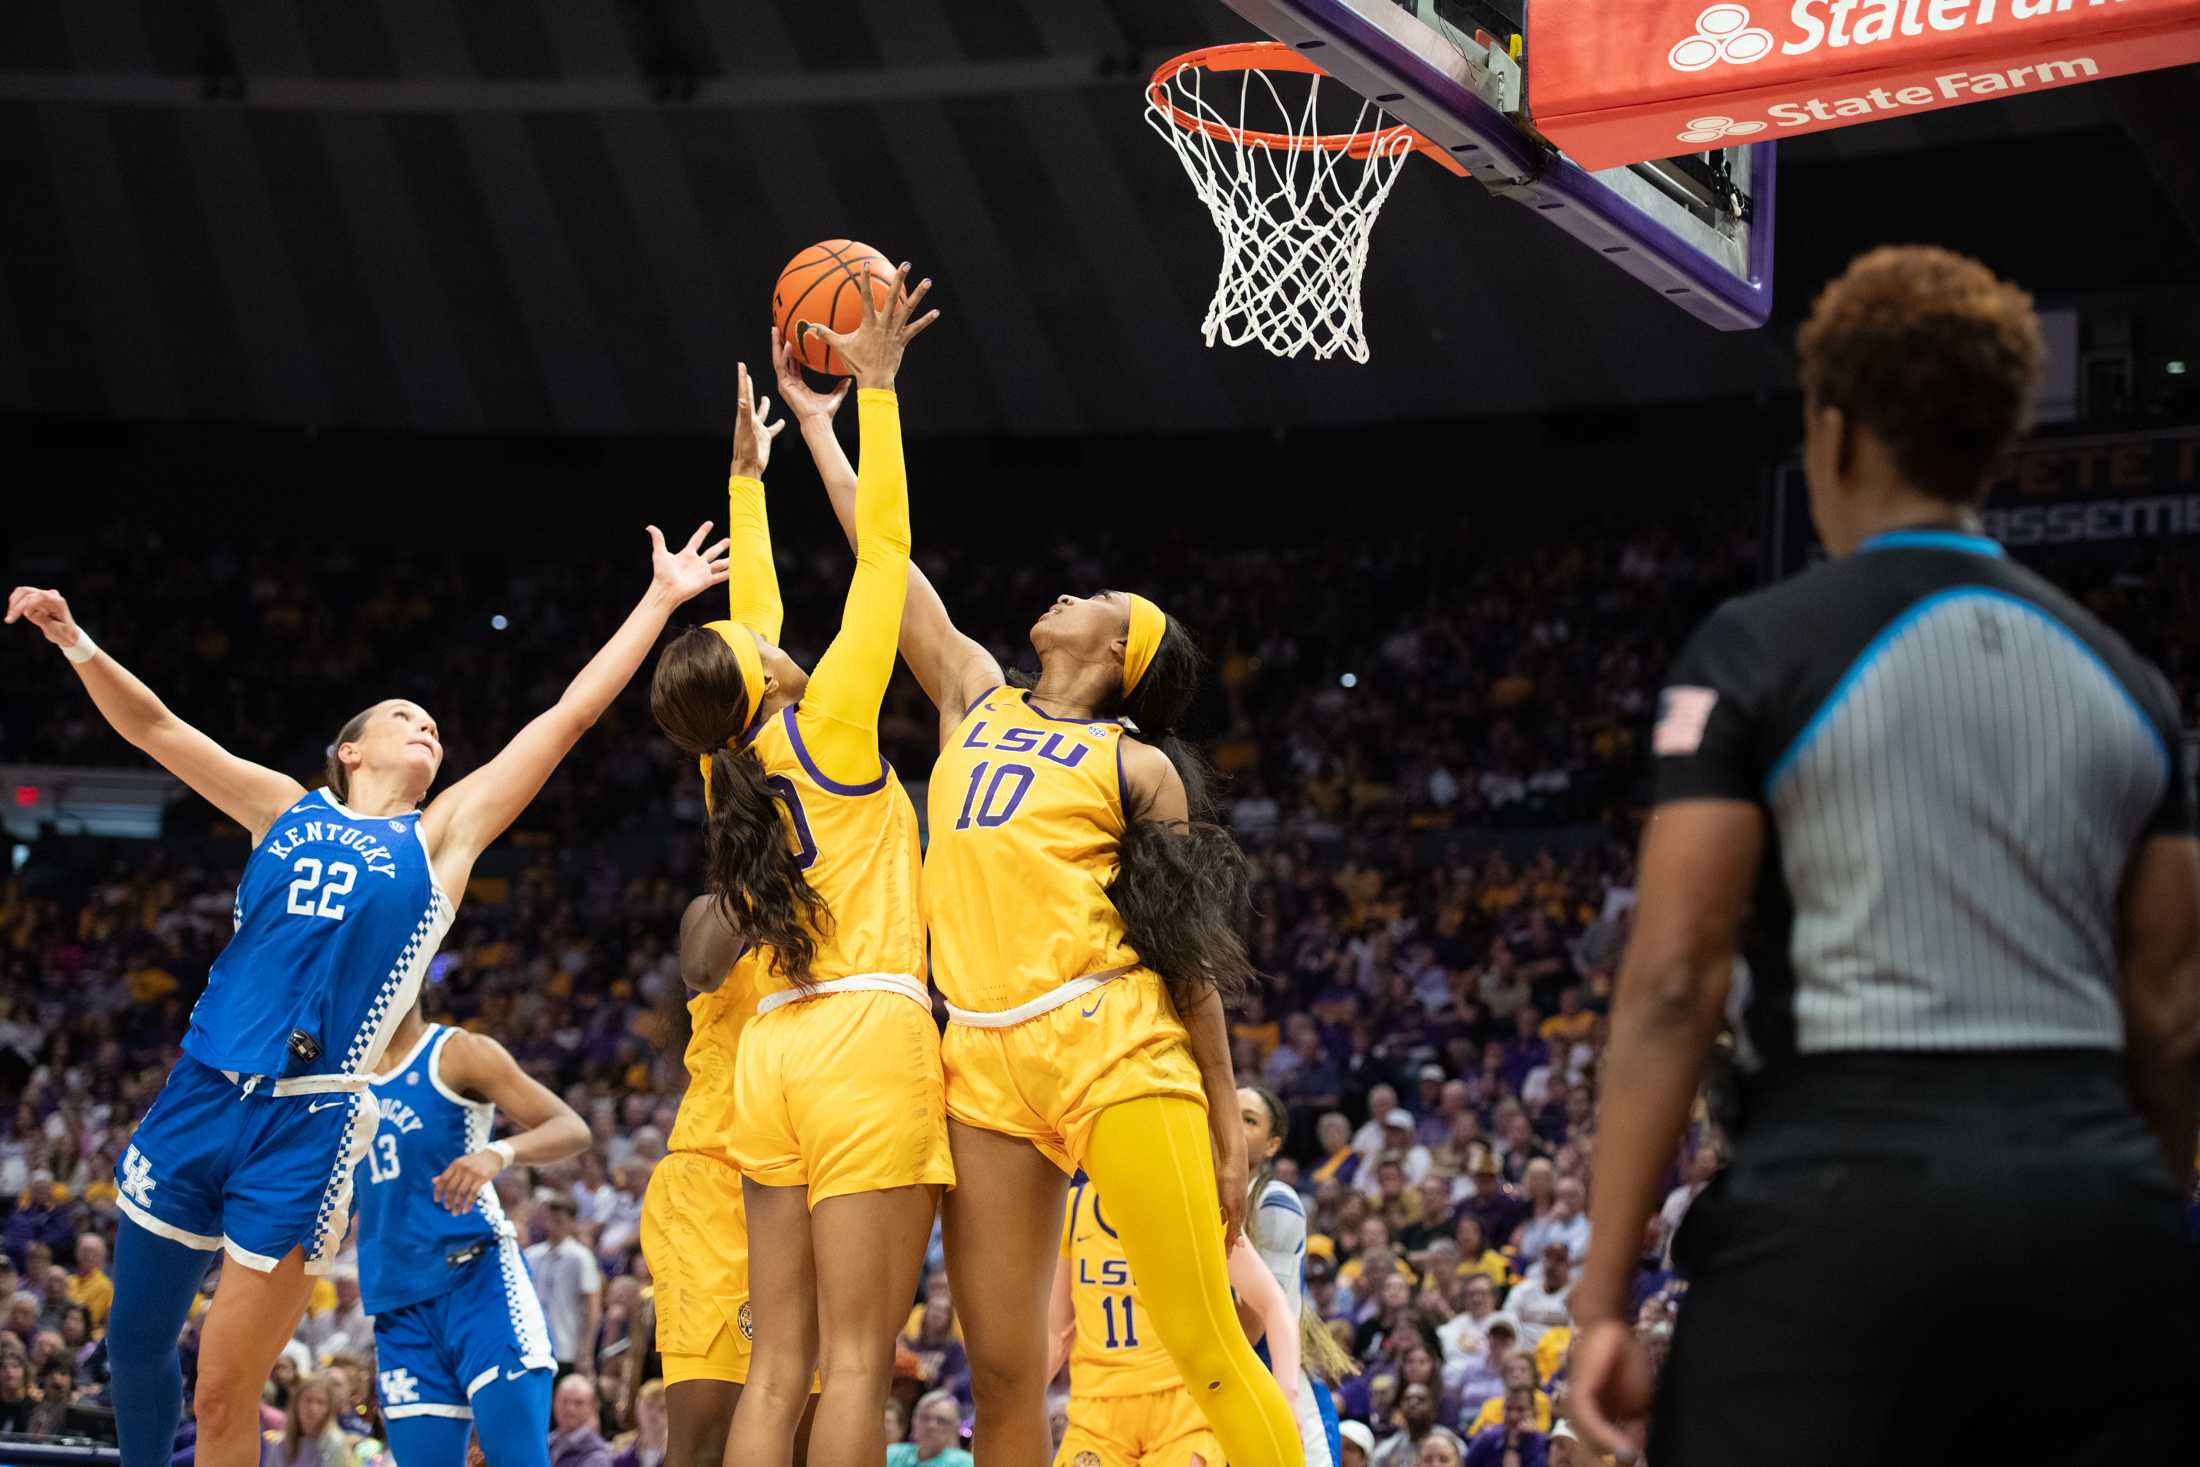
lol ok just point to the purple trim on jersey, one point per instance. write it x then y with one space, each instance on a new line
974 702
1050 718
817 775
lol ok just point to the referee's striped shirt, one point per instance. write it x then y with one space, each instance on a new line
1957 762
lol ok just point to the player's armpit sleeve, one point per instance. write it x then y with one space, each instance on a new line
1709 739
838 715
752 577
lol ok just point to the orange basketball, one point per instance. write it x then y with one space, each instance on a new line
818 287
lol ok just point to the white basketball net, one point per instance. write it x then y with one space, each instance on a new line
1294 219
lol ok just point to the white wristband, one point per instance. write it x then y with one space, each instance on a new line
501 1148
84 650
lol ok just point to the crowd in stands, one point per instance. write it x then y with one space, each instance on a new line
1435 761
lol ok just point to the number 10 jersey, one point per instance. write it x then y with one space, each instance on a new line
336 918
1026 821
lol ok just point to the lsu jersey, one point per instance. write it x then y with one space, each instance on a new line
715 1021
1115 1353
1026 820
857 844
336 918
410 1247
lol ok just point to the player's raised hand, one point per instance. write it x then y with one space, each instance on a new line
753 430
873 351
684 572
803 400
45 610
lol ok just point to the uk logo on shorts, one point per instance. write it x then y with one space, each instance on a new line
399 1388
137 1177
747 1321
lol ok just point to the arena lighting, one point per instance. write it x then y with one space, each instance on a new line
2176 369
26 795
1350 680
497 623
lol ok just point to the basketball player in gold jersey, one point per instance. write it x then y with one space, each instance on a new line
1128 1406
837 1123
694 1229
1084 922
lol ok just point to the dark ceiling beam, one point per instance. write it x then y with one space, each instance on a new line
744 92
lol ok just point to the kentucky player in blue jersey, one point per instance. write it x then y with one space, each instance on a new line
251 1144
459 1337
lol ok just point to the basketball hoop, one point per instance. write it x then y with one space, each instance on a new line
1294 205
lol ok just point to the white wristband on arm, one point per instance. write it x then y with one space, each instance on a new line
501 1148
84 650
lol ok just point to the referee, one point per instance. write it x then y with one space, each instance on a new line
1938 809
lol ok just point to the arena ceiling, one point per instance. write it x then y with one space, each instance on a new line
565 215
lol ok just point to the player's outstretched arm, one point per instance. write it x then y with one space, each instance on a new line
709 945
839 712
248 793
1259 1292
550 1131
461 821
952 669
752 576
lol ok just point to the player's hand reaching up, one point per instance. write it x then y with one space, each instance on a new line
46 611
873 351
682 573
753 430
803 400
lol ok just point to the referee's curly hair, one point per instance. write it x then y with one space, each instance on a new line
1934 355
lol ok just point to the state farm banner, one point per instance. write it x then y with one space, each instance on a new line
1625 81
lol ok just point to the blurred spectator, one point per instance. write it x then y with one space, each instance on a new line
570 1284
1355 1443
574 1439
310 1436
1416 1423
645 1445
936 1341
89 1285
1513 1443
935 1435
1538 1301
17 1400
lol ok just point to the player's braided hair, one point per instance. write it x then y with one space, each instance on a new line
1181 885
696 696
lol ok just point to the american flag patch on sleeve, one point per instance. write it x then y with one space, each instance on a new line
1682 714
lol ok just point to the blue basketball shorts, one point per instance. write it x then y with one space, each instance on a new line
432 1356
230 1164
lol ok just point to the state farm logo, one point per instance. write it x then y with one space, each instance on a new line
1723 33
1717 129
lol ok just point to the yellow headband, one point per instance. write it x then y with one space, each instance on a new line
1148 624
741 642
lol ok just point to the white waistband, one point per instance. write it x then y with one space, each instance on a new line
901 983
296 1084
1045 1003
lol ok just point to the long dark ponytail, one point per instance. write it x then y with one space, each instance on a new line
696 696
1182 887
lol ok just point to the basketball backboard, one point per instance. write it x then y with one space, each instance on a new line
1697 229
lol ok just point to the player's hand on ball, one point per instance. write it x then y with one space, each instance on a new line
45 610
873 351
803 400
682 573
753 430
1608 1390
464 1178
